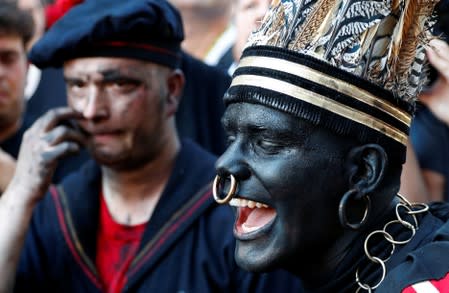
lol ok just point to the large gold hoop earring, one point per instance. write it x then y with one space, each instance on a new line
231 192
342 210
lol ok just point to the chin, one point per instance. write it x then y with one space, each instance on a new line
255 259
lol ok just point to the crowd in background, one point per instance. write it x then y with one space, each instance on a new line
215 36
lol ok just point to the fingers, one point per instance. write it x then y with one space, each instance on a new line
55 117
438 55
64 133
59 151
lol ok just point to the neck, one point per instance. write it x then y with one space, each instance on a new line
9 130
131 195
341 260
202 30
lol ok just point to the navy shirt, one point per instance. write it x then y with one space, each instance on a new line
187 245
430 138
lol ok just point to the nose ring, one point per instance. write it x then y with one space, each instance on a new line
231 191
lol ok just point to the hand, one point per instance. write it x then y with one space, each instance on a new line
437 97
43 144
7 167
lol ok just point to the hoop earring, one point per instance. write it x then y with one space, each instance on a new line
231 192
342 210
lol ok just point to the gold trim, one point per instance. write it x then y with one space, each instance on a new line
320 101
327 81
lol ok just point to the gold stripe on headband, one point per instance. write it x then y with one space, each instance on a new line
321 78
320 101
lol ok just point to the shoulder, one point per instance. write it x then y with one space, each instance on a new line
71 187
428 263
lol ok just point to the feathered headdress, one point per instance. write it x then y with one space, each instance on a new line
355 66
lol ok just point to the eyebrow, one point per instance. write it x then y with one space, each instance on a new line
109 75
8 52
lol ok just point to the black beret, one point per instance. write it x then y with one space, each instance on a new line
149 30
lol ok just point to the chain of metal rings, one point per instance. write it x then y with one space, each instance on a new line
411 209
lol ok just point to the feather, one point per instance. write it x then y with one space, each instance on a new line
416 17
312 24
379 52
358 17
297 8
382 41
272 26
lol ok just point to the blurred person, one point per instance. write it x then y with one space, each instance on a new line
16 31
141 211
413 185
248 15
430 127
41 91
209 30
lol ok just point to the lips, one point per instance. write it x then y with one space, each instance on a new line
253 219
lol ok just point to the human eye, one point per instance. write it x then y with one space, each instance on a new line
230 138
124 85
76 87
268 145
9 58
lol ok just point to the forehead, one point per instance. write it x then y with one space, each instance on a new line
242 115
10 43
100 65
30 4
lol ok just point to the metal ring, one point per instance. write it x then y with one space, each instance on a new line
404 222
342 212
424 208
366 286
403 199
387 236
231 191
409 226
412 205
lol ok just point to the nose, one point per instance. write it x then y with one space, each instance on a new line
95 106
232 162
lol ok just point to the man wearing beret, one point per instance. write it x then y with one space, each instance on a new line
140 216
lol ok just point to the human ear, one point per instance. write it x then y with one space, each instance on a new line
367 167
175 87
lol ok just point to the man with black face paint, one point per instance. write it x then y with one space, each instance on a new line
139 217
317 119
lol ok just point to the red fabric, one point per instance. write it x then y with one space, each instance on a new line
55 11
116 247
442 285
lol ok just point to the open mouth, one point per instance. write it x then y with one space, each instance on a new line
252 217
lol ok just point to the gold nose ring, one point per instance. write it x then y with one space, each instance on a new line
231 191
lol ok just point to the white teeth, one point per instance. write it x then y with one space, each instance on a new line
240 202
247 229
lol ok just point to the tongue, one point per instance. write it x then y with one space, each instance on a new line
259 217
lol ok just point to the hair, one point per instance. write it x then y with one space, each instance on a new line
15 21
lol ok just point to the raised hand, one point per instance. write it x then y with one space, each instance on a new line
48 140
437 97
